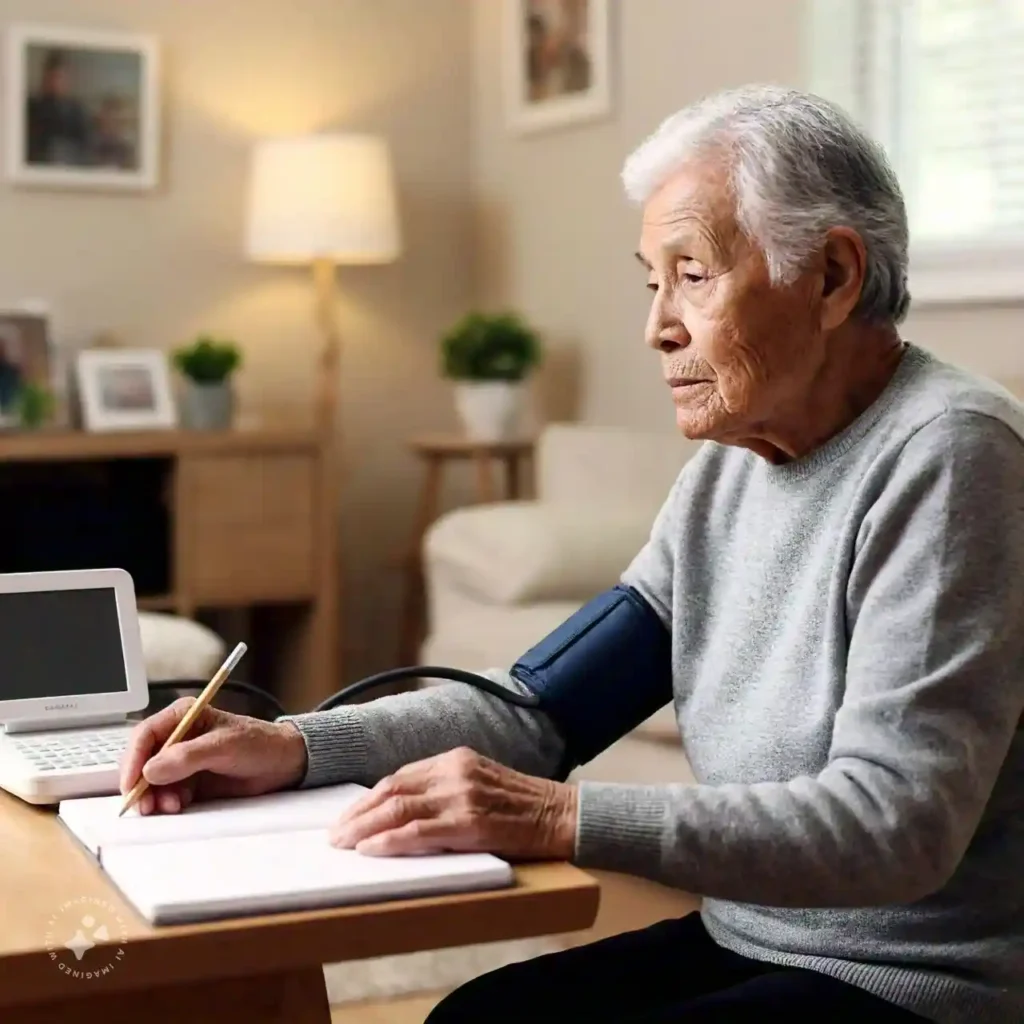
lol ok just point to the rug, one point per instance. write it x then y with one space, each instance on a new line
433 970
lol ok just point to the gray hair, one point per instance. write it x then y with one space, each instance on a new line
798 166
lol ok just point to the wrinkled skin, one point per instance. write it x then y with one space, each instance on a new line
462 801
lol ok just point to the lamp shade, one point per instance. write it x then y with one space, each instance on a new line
322 197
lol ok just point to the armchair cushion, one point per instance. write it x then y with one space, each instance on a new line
522 552
177 648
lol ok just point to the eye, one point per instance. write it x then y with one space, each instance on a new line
691 271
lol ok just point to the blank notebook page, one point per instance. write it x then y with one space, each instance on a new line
208 878
95 822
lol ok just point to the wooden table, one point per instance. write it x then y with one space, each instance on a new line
436 451
256 969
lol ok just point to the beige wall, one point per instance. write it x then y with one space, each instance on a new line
157 268
556 237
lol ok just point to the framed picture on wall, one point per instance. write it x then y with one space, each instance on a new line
25 359
557 62
81 108
125 389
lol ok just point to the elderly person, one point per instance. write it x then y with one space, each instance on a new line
834 602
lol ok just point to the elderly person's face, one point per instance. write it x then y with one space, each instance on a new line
740 353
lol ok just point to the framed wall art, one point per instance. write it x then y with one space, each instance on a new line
82 108
557 62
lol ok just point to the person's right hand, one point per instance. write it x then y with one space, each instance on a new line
222 755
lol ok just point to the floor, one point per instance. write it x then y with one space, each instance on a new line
411 1010
626 903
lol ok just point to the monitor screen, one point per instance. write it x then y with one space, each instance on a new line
60 643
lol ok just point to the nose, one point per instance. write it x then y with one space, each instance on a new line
665 331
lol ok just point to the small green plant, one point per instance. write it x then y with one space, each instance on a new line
208 360
34 405
489 347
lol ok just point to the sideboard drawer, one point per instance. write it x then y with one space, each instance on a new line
247 526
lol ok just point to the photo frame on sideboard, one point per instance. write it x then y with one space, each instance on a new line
26 358
125 389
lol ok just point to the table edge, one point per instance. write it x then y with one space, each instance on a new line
272 943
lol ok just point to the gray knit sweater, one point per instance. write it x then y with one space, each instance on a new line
848 638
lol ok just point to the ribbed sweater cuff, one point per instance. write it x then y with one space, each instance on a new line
619 828
336 746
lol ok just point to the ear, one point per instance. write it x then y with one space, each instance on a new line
845 260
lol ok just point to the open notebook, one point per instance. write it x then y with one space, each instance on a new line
256 855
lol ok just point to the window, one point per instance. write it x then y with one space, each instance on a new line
940 83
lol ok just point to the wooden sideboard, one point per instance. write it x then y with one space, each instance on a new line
204 522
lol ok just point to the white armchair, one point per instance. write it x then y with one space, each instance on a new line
174 647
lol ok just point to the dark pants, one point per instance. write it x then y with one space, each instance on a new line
672 971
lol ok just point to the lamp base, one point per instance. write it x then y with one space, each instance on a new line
325 281
328 529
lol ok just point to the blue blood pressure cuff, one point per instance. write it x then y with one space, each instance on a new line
605 670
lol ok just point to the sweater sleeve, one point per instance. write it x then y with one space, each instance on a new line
934 696
651 571
364 742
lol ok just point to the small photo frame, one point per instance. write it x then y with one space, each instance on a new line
125 389
25 358
557 63
82 108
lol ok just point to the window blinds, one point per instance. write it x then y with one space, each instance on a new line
941 84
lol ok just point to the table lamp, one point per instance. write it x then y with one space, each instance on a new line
323 201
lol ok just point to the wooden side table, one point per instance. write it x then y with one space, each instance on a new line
436 451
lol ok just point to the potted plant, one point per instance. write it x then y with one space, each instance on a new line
207 364
34 405
488 358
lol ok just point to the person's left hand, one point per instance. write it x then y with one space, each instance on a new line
460 801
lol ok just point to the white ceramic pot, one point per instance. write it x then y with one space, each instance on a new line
207 406
489 410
